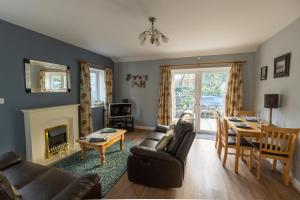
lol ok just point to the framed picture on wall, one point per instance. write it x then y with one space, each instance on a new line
264 73
282 66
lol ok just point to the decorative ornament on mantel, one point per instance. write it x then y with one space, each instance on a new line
154 35
137 80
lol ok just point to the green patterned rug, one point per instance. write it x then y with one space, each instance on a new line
110 172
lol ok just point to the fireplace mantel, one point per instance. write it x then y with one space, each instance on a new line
43 109
36 120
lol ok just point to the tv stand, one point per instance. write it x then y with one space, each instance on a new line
122 122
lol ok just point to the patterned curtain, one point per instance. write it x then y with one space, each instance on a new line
43 80
165 97
108 94
86 123
234 95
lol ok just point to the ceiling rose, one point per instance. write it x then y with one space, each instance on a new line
153 34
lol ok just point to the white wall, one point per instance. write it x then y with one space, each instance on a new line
288 40
145 100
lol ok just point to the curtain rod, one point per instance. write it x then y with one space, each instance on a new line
204 63
92 64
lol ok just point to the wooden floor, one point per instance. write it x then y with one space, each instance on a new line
205 178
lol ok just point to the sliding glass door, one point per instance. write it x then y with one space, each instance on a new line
183 93
202 92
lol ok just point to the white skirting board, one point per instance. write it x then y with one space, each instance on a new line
147 128
295 183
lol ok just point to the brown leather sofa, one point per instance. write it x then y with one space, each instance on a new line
38 182
164 169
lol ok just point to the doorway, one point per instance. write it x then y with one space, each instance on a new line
201 91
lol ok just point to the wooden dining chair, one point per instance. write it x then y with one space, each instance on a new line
241 113
277 144
230 142
218 132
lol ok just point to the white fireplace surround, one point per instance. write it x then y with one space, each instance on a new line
38 119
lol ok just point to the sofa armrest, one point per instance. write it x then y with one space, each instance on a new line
79 188
8 159
146 152
161 128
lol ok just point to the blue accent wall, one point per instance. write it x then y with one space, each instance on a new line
17 43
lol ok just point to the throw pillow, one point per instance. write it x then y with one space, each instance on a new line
164 141
7 190
172 126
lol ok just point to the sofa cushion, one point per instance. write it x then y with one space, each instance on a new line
8 159
6 190
155 136
47 185
148 144
164 141
151 153
23 173
79 188
161 128
184 125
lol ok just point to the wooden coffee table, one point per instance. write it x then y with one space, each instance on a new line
101 147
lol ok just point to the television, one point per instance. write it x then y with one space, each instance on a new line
120 110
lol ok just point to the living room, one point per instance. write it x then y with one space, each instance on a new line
139 99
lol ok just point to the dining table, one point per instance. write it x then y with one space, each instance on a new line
253 131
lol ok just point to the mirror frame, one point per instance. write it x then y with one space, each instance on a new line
27 68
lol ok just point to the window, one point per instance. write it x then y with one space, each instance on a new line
55 81
97 87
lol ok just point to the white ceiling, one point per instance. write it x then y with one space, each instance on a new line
194 27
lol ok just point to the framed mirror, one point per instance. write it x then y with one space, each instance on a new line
44 77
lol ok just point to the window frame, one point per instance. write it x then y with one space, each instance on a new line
99 88
49 82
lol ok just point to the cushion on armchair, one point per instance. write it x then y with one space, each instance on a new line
164 141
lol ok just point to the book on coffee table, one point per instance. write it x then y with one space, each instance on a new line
108 130
95 140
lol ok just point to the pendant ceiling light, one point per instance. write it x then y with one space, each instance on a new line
153 34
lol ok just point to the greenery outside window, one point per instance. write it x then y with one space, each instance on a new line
97 87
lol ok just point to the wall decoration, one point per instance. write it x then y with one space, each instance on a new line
264 73
137 80
282 66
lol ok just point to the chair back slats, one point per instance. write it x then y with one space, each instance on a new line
241 113
278 140
218 117
224 131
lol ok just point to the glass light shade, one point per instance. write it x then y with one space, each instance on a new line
164 38
157 42
152 39
142 35
142 41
